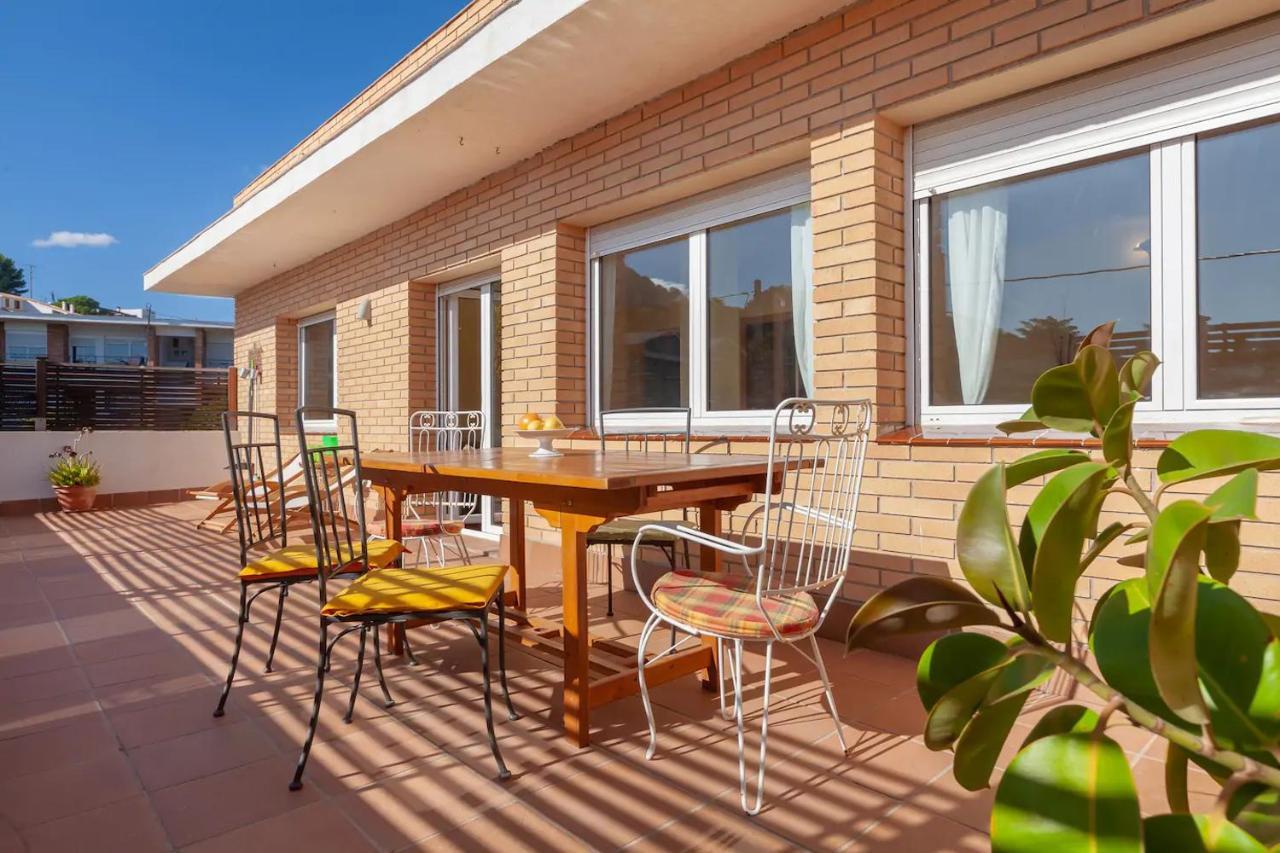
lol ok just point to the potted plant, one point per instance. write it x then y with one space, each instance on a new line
1172 648
75 476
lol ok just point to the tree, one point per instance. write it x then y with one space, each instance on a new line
83 305
1172 648
11 277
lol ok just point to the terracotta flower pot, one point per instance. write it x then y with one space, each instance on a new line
75 498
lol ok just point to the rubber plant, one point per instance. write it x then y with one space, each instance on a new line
1175 649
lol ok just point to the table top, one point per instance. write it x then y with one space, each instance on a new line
581 469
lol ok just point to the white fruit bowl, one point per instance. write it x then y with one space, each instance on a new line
545 438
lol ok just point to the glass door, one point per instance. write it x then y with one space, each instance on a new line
470 369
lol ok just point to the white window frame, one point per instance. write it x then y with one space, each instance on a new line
317 426
114 339
690 219
1237 84
14 333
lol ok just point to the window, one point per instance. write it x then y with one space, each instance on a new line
1177 242
219 354
124 351
25 345
706 304
317 348
84 350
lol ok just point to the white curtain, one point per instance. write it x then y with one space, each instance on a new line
977 232
802 291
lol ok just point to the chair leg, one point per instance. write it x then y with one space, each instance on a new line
826 687
241 621
644 686
720 672
377 666
671 558
502 652
275 632
408 649
355 682
482 636
462 548
764 726
321 666
608 576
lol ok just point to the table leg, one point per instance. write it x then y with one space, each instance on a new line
709 560
394 512
573 567
515 539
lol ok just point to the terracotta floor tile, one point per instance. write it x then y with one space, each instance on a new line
215 805
15 663
95 617
912 830
192 712
712 827
41 685
82 738
203 753
127 826
122 646
34 715
513 828
47 795
316 828
144 667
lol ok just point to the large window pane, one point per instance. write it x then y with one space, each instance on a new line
1238 216
754 268
317 364
1021 270
644 326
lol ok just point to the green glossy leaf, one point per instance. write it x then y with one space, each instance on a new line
1173 564
1039 463
1061 401
1099 336
1222 550
1199 833
985 548
1120 637
955 708
1101 381
1273 622
1059 518
1141 536
1067 793
979 745
1117 436
1216 453
1105 537
1239 676
1136 372
1020 425
1175 777
1062 720
917 604
953 659
1256 810
1236 499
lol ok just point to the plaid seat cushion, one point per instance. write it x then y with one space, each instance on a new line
725 605
622 531
413 528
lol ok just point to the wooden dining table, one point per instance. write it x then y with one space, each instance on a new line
575 493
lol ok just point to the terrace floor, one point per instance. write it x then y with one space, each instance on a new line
115 643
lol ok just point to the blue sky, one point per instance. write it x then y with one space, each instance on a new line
140 120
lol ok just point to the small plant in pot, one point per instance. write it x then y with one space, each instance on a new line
75 476
1172 648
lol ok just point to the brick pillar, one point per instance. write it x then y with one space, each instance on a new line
859 278
58 341
197 359
153 347
544 327
2 342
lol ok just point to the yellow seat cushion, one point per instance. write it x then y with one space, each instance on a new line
300 560
469 587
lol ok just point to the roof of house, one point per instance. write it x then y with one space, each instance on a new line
497 84
25 308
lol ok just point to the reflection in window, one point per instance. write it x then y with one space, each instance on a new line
1238 208
317 364
756 271
1021 270
644 327
124 351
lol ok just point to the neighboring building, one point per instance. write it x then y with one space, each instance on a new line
32 329
724 202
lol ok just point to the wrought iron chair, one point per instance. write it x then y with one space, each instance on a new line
384 596
805 532
670 433
260 492
433 517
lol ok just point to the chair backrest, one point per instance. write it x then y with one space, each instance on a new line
257 479
811 501
651 430
439 430
336 496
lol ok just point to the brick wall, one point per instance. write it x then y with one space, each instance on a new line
827 93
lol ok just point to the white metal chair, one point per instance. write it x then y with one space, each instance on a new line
432 518
804 536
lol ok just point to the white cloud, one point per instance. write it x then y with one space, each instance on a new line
73 239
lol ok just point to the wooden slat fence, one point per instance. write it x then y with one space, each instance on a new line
57 396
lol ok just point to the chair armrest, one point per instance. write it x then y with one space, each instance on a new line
690 534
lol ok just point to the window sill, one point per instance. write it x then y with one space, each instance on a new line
699 436
1146 436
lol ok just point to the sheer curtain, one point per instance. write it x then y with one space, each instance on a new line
802 291
977 232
